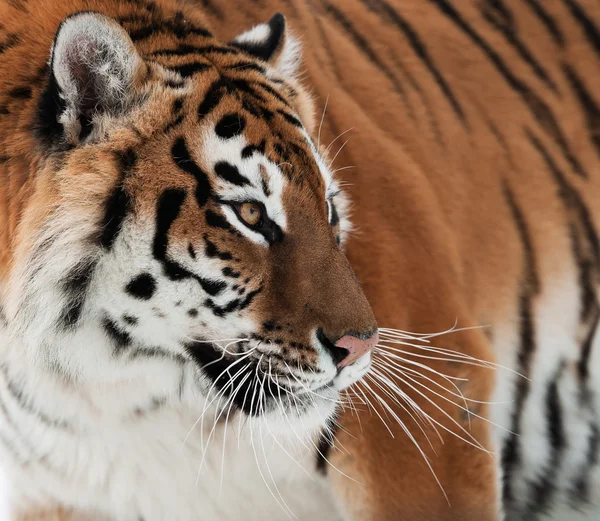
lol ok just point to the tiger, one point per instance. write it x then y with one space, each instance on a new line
299 259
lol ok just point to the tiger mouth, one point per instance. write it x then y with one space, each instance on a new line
246 381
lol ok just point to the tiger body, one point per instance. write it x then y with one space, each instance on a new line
474 195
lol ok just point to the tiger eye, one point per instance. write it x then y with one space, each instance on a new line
250 213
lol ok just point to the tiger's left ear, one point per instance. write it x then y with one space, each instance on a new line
272 43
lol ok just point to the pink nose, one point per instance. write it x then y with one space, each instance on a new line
356 347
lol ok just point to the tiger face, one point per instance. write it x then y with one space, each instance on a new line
189 218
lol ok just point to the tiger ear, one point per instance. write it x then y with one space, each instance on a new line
93 67
272 43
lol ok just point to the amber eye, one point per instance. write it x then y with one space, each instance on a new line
250 213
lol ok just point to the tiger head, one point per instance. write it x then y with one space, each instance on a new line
183 215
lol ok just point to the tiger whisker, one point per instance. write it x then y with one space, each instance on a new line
472 441
410 436
321 124
335 139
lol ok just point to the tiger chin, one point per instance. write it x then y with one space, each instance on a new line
176 306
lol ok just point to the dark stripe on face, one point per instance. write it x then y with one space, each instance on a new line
542 490
189 69
228 272
290 119
248 150
511 451
11 41
586 23
116 209
183 160
230 125
168 209
502 19
390 15
142 286
212 251
221 311
177 112
536 105
118 205
121 339
216 220
249 298
589 106
76 286
273 92
230 173
547 20
20 93
213 96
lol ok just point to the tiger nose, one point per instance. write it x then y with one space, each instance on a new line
355 347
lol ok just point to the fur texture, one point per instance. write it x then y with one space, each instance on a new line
475 193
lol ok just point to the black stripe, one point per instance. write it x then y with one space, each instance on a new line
190 69
11 41
363 44
212 98
26 403
121 339
212 251
183 160
586 348
572 200
424 100
290 119
273 92
212 9
543 489
230 173
118 205
168 209
75 286
536 105
502 19
511 451
588 104
116 209
580 491
419 48
547 20
248 150
216 220
21 93
326 442
590 30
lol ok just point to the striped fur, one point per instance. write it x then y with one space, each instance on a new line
475 154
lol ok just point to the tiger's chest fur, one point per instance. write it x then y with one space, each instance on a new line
130 457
